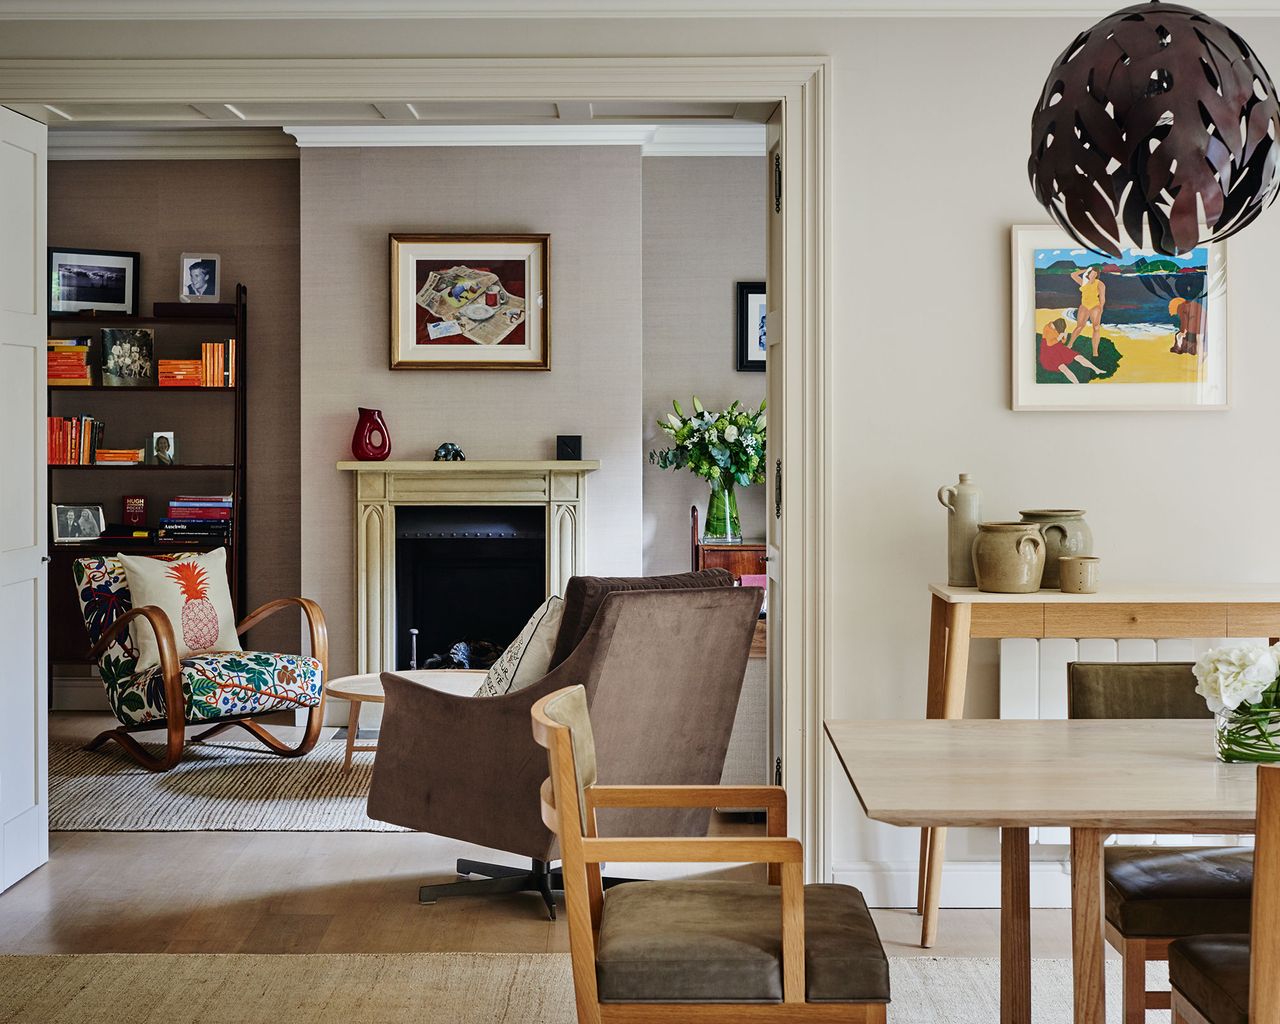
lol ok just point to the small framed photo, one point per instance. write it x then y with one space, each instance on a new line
128 357
752 340
163 449
72 523
201 274
470 302
102 280
1140 332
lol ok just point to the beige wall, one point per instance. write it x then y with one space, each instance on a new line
703 232
930 121
588 199
247 212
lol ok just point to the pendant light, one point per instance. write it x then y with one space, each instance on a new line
1157 128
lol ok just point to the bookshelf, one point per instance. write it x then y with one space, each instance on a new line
210 434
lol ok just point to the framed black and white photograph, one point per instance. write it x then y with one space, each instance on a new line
163 450
72 523
128 356
201 274
752 340
103 280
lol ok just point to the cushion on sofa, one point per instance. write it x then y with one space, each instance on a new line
1212 971
583 596
1166 891
719 941
528 657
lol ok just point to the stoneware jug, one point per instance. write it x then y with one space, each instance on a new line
1065 534
371 442
1008 558
961 501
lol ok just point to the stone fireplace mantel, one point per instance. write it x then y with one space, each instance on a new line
559 487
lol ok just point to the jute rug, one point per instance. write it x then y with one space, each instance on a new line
216 787
429 988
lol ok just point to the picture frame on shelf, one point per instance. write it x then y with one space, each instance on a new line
1144 332
74 523
162 449
93 280
128 357
752 348
470 302
201 277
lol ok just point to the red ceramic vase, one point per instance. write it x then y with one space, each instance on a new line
371 425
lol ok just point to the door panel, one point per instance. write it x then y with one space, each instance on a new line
24 812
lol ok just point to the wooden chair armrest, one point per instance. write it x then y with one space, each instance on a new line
166 645
694 850
316 625
772 798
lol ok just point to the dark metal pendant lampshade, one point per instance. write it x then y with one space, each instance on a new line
1159 121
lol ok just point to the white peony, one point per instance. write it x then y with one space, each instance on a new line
1227 677
731 433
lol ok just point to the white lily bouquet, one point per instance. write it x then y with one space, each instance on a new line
1241 686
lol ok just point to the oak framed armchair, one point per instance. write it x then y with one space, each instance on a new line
218 688
713 951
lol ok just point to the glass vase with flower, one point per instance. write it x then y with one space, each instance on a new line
1241 686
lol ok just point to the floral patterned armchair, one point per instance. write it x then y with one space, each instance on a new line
225 688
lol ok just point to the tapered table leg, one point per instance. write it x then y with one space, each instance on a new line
1015 926
1087 943
353 727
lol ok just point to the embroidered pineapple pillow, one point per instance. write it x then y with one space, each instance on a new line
193 593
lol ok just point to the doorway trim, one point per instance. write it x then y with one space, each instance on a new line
802 86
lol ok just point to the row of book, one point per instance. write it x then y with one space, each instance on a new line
73 440
197 519
216 367
69 362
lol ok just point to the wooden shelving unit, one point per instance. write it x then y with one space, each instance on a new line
176 336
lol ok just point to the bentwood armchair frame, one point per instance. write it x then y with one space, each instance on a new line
583 851
175 726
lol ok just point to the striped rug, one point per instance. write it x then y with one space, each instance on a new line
216 787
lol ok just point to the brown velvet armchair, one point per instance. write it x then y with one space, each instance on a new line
663 673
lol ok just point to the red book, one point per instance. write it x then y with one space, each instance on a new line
135 510
183 512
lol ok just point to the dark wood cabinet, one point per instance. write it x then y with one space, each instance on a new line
746 559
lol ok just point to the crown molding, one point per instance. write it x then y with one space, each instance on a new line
353 10
653 140
171 144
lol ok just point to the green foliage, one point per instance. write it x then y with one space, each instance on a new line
1107 360
717 446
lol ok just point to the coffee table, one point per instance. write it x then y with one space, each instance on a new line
367 688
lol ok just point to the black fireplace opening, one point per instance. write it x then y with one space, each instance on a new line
466 575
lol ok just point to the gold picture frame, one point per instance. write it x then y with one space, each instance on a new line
470 302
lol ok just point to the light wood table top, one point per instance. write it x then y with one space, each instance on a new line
368 686
1129 776
1124 593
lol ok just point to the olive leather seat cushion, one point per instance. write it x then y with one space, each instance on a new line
1212 971
1163 891
719 941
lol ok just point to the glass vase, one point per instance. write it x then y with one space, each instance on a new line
1248 734
722 526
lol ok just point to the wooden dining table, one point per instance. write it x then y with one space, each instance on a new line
1094 777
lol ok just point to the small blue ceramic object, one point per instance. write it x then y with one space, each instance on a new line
450 452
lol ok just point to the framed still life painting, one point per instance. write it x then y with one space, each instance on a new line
1091 332
470 302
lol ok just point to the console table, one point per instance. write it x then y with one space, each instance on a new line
1117 611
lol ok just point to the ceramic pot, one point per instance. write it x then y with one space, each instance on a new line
371 442
1065 533
962 503
1008 558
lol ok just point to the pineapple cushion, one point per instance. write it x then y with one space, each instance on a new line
193 592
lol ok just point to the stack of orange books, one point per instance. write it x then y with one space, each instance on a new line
119 456
69 363
180 373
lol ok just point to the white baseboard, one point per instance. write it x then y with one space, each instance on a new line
79 693
965 884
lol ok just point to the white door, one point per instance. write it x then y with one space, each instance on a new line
24 776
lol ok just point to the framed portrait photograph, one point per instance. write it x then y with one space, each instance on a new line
201 274
752 339
470 302
1144 332
103 280
163 449
72 523
128 356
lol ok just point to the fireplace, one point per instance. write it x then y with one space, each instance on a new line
468 574
539 508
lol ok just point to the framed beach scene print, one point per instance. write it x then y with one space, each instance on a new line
470 302
752 337
98 280
1142 332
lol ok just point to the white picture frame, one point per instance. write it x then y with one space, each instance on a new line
1155 378
200 277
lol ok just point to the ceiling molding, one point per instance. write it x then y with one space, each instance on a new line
172 144
653 140
257 10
